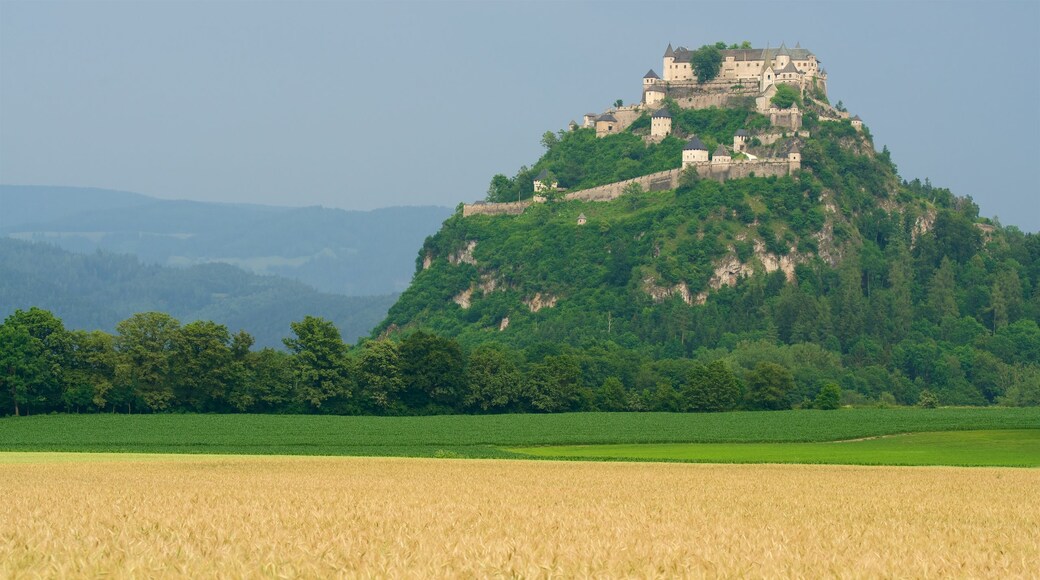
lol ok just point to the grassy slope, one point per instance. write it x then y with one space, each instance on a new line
474 436
1015 448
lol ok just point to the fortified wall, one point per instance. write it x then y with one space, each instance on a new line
660 181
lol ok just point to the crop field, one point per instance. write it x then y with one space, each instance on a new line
85 515
475 436
1018 448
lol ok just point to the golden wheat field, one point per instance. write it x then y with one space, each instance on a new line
210 516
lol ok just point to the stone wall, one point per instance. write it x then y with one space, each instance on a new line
659 181
482 208
654 182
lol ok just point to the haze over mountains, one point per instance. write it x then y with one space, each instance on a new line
354 253
103 255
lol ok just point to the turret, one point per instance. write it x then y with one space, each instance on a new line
857 123
794 158
694 152
721 156
605 125
661 123
654 94
669 62
545 182
649 79
783 57
740 140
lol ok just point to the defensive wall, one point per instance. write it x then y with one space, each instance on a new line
660 181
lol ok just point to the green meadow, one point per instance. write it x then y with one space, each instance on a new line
947 436
1009 448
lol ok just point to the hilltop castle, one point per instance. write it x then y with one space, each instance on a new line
745 76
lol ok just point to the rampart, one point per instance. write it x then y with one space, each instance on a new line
484 208
660 181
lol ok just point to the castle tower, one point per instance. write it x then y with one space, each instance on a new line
649 79
694 152
653 94
661 123
669 61
794 158
740 140
783 57
857 123
721 156
606 124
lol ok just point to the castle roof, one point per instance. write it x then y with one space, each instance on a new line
668 51
695 144
741 133
651 75
720 151
856 118
790 68
581 216
544 174
782 51
764 54
662 113
655 88
606 117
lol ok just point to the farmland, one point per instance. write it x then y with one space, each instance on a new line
475 436
205 516
1019 448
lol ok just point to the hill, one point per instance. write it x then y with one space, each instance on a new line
96 291
355 253
841 272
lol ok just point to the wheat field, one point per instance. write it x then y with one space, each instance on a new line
286 517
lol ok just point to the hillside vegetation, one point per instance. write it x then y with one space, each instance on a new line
842 273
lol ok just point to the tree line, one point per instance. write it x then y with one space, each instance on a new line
153 364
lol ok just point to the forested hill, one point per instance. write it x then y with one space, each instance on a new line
355 253
842 272
96 291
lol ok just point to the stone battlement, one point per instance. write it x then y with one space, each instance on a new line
660 181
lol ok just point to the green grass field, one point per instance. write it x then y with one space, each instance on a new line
481 436
1010 448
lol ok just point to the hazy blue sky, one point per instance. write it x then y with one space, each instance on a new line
363 105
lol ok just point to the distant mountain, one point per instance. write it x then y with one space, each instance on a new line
355 253
96 291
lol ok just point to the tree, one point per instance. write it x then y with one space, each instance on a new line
711 388
707 62
493 381
433 370
618 103
769 386
785 96
144 345
829 397
91 371
612 395
202 366
34 351
556 385
942 300
927 400
379 376
319 363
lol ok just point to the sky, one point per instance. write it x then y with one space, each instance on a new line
359 105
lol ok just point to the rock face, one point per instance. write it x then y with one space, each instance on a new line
427 261
537 302
504 324
463 298
662 293
465 255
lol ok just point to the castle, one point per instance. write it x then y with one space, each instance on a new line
745 74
